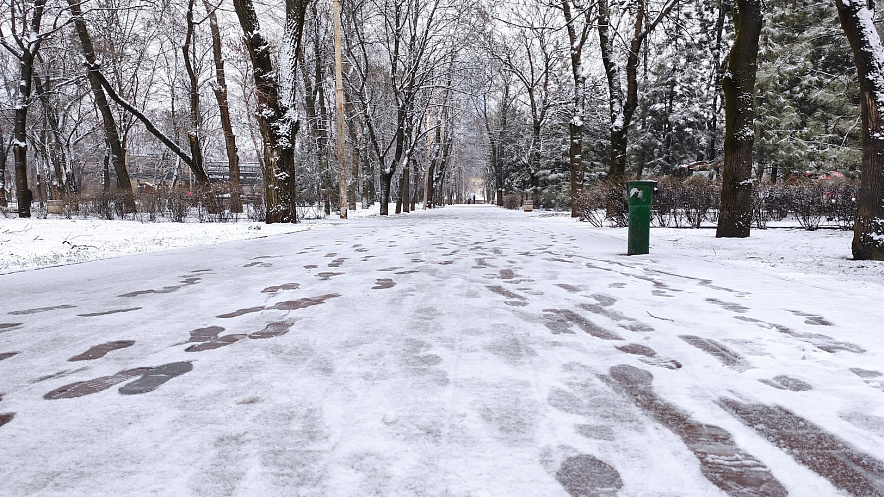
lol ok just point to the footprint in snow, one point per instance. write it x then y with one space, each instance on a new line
784 382
587 476
215 343
95 385
155 377
99 351
649 356
383 283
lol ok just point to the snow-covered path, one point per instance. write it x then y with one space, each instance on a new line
467 351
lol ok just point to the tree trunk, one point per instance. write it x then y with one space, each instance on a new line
735 218
277 130
220 91
111 132
386 179
857 20
26 59
405 188
577 39
4 150
196 120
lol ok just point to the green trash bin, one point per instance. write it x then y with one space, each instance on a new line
640 195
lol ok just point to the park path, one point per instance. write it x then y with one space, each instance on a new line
465 351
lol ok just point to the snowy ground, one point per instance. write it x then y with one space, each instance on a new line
467 351
38 243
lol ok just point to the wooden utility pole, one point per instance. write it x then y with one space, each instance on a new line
339 110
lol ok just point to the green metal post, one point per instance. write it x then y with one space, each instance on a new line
640 195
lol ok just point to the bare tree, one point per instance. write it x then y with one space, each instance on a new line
735 217
531 53
858 21
111 130
195 129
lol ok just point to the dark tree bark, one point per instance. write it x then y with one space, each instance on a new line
278 131
26 53
111 131
220 91
857 20
735 217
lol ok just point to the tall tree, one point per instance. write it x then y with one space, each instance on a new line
735 217
807 93
195 128
26 48
578 21
858 21
278 128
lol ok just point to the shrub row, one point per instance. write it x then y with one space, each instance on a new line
219 204
691 201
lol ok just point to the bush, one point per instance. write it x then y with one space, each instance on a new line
686 202
603 201
842 200
512 201
590 206
808 202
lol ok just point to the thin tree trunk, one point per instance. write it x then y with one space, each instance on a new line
857 20
196 120
577 41
220 91
55 146
4 150
735 218
26 59
111 132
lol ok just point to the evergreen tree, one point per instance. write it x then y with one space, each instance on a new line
808 93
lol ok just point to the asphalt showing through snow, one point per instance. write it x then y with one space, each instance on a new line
466 351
